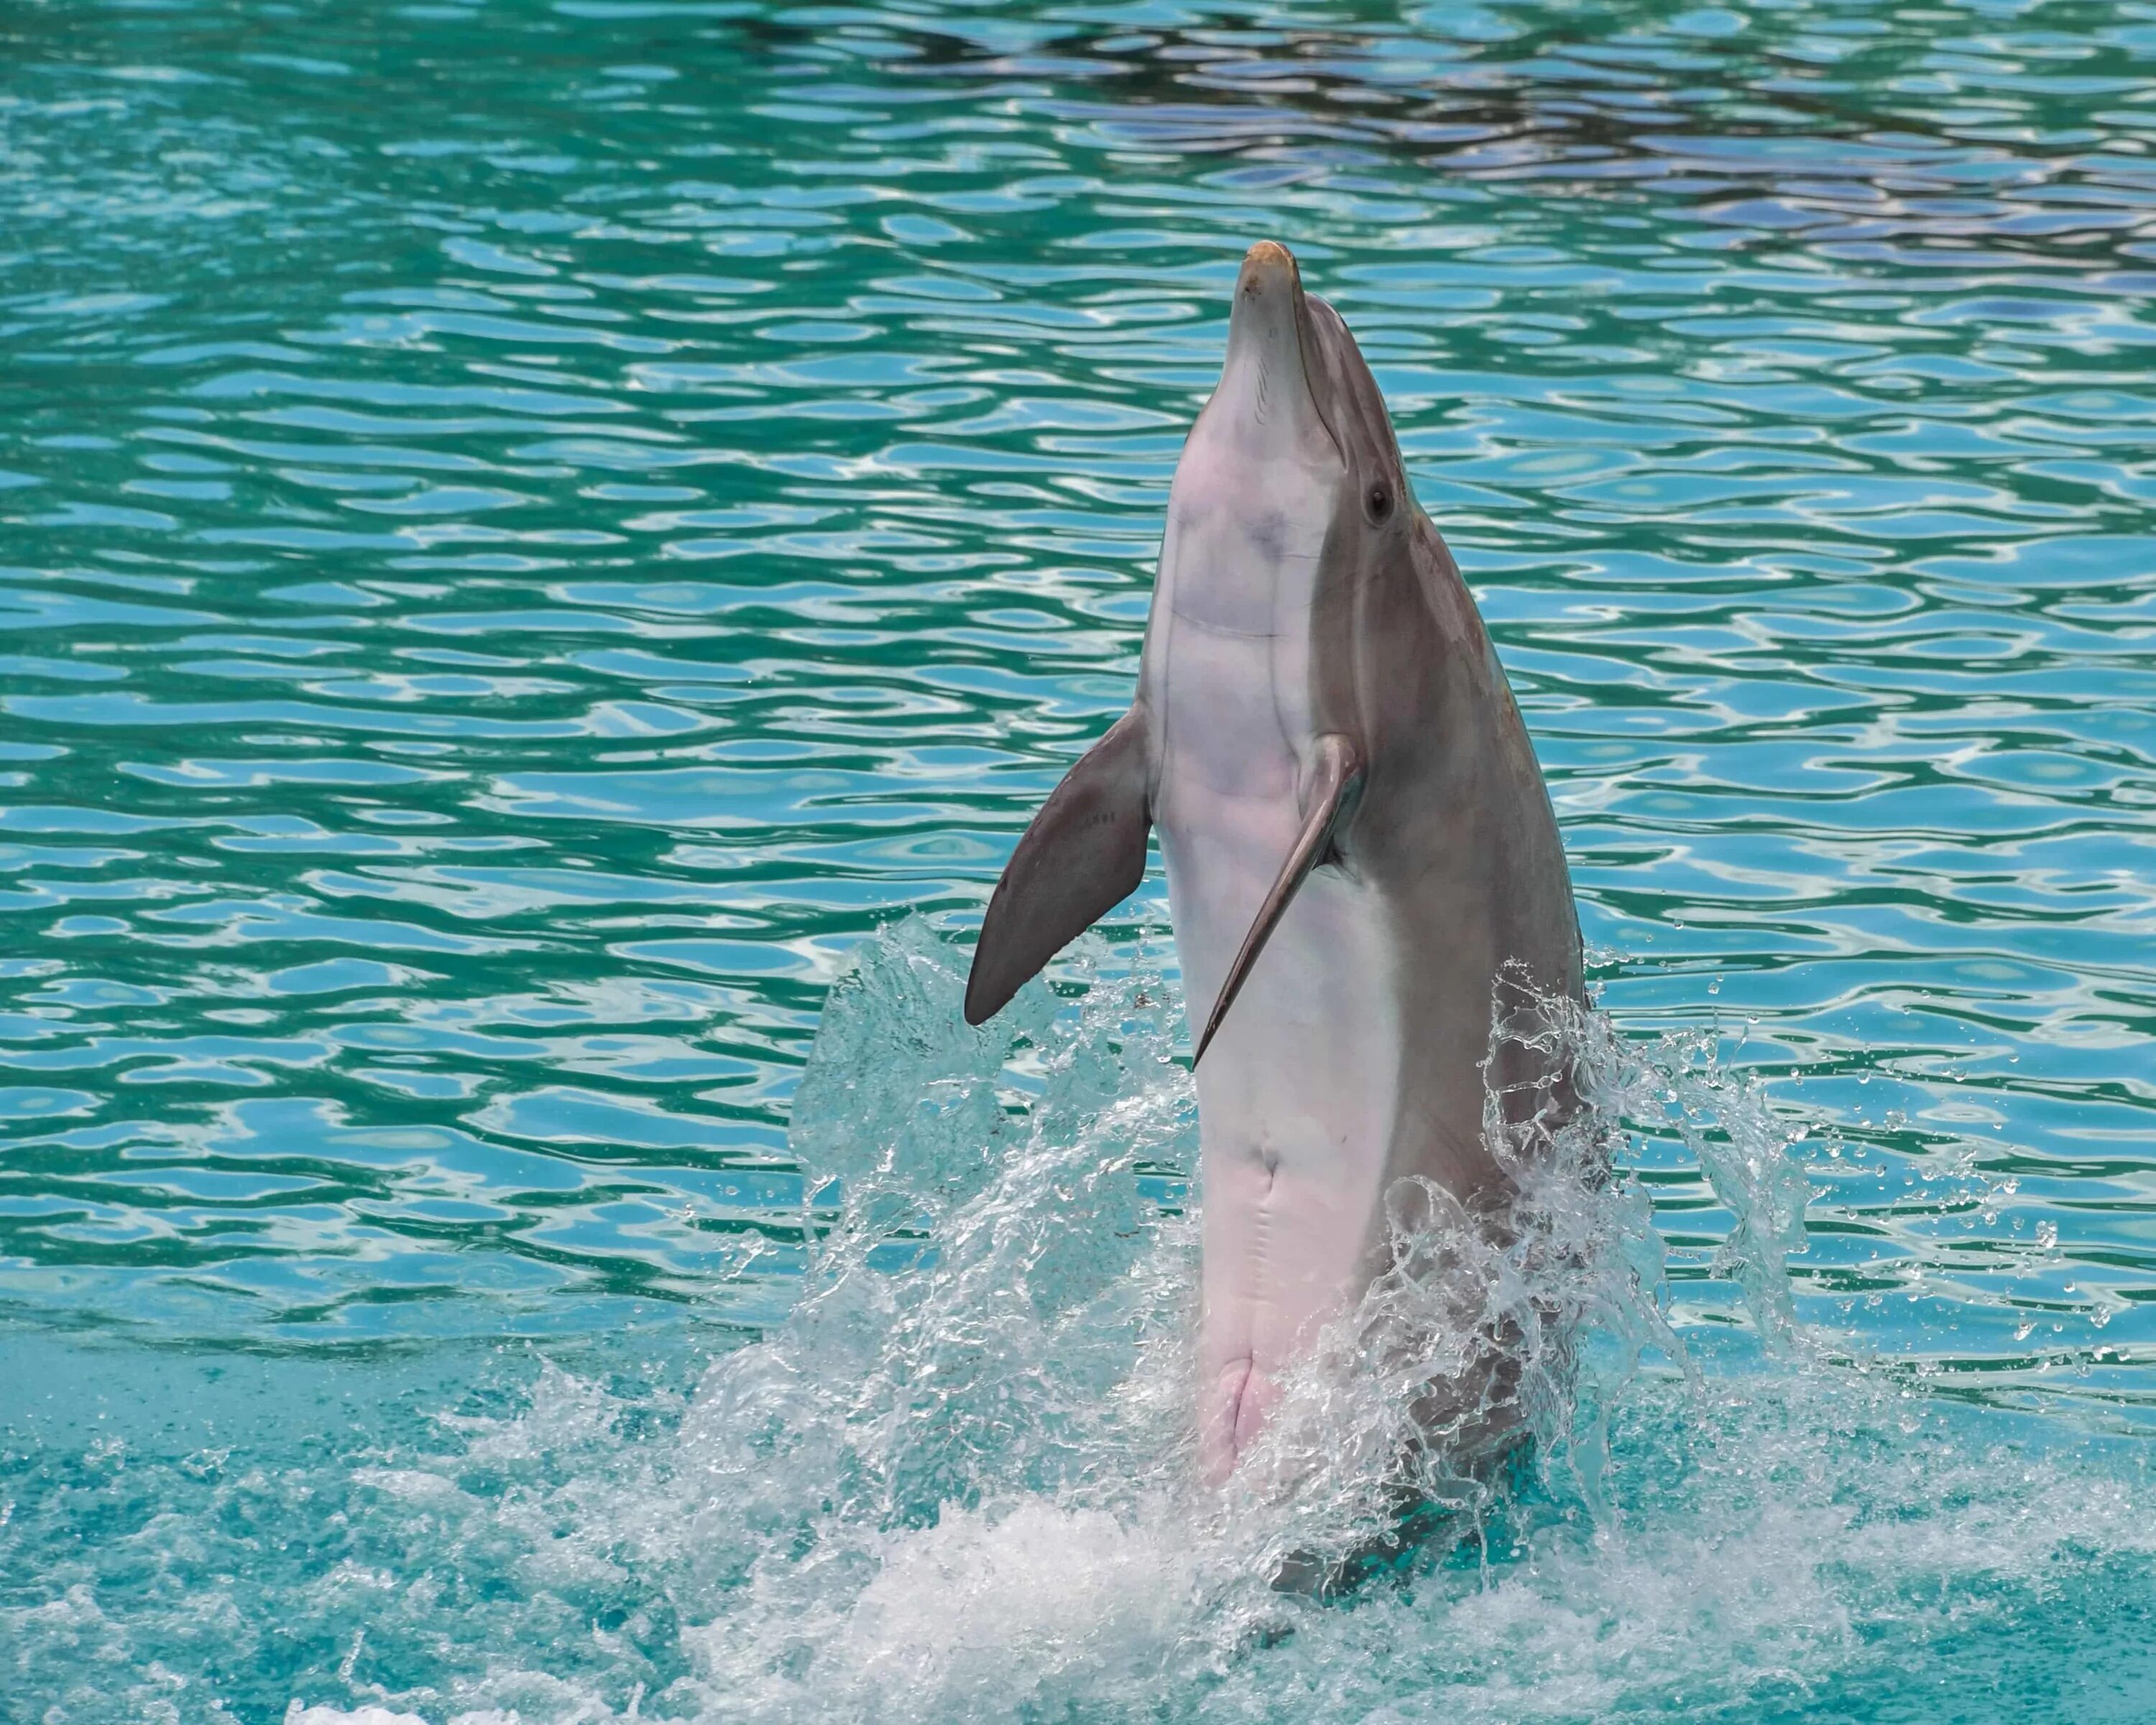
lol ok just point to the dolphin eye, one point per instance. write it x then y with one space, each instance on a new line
1378 500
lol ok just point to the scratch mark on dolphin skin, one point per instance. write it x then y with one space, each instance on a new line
1223 629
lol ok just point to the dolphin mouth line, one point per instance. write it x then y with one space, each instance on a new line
1317 395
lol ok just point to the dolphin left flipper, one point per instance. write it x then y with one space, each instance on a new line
1336 786
1083 855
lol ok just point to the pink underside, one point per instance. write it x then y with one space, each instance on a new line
1281 1259
1296 1093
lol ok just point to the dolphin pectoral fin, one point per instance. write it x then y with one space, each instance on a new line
1084 854
1336 786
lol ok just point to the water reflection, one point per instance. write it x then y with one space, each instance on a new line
531 531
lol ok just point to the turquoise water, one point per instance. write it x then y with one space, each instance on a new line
531 533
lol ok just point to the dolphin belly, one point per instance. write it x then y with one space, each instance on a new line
1295 1096
1296 1099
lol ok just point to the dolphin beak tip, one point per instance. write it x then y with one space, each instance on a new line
1268 302
1267 262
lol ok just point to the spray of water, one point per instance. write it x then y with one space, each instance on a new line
961 1475
958 1480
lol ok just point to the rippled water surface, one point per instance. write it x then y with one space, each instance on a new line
528 533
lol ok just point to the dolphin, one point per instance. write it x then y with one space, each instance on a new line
1359 846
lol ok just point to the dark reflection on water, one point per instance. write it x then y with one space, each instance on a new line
530 531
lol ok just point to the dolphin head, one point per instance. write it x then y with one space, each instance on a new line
1295 393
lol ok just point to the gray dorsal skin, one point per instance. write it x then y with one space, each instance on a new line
1357 839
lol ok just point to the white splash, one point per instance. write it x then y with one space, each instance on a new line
958 1482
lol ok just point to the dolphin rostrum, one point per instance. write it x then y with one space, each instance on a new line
1358 840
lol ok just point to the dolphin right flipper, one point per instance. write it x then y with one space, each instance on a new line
1083 855
1336 786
